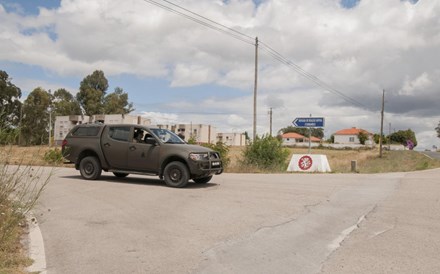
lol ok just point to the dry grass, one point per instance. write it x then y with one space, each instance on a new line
21 185
32 155
368 161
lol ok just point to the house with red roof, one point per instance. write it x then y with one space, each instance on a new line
351 136
293 138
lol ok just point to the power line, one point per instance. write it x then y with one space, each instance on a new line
206 24
212 21
249 40
276 55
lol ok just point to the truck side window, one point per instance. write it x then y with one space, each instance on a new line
119 133
86 131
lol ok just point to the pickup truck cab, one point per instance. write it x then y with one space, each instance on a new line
124 149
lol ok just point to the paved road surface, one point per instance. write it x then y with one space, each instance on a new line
241 223
432 154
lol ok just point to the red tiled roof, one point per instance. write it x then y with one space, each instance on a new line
313 139
351 131
292 135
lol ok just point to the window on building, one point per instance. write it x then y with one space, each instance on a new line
351 139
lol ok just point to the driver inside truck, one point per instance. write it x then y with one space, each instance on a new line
138 136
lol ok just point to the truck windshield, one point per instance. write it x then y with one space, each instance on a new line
167 136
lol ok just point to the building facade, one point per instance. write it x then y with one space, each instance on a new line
232 139
292 138
63 124
351 136
200 133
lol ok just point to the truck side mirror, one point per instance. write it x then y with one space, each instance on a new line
151 141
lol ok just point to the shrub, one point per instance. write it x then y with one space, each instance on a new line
266 153
221 148
53 156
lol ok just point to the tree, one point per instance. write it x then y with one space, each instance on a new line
376 138
35 122
117 102
362 137
92 92
10 102
316 132
64 103
402 137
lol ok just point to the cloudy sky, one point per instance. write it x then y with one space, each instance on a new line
176 70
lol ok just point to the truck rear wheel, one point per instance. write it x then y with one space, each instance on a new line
176 174
90 168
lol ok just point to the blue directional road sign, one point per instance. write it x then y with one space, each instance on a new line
309 122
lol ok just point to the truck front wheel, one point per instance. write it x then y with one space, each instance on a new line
176 174
203 180
90 168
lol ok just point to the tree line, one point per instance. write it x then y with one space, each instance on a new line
27 122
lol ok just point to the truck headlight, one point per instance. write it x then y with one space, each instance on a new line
198 156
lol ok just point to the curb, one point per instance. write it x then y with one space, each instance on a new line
36 247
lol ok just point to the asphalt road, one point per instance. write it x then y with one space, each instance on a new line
432 154
243 223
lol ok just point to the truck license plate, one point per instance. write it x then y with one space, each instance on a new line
214 164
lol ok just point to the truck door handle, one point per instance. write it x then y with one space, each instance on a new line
106 144
132 148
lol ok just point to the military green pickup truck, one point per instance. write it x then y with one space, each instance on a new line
133 149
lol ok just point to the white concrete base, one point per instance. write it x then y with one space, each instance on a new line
309 163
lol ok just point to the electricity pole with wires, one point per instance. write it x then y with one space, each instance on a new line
381 124
255 90
270 122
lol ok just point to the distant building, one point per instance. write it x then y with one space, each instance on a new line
200 133
351 136
293 138
232 139
63 124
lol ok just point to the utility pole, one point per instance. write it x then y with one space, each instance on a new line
270 121
381 124
388 139
255 90
50 125
310 138
20 124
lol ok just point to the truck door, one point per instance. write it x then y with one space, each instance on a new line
114 143
143 155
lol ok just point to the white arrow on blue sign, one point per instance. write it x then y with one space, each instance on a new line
309 122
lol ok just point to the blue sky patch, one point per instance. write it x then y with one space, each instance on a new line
29 7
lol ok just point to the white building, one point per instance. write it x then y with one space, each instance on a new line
199 132
351 136
292 138
232 139
63 124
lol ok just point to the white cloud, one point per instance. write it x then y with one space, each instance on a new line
378 44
